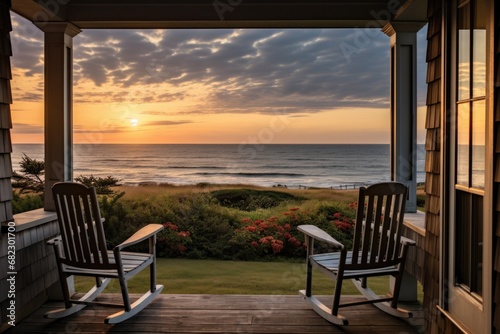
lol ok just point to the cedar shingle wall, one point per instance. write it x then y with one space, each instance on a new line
496 195
432 169
5 118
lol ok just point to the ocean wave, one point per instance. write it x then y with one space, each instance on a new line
254 174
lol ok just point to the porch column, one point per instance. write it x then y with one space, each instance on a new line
404 106
58 105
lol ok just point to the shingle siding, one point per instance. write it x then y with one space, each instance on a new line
496 188
5 115
434 323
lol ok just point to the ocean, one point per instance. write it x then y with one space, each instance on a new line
290 165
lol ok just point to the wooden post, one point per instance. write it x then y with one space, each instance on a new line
58 105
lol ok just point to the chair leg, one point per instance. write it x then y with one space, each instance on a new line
137 306
383 305
152 266
310 251
399 278
124 289
87 298
336 297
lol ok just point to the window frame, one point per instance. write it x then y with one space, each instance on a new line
466 309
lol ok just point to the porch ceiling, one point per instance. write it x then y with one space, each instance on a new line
90 14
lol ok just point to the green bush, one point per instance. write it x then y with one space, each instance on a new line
198 226
26 202
250 199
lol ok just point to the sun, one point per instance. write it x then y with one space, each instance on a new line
134 121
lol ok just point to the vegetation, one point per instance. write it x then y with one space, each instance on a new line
29 186
31 179
215 222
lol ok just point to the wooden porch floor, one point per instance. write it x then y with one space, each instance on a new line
220 314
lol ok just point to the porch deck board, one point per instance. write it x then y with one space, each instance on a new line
171 313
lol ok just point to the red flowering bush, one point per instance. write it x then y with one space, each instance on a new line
171 242
274 236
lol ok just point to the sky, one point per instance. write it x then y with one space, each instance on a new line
265 86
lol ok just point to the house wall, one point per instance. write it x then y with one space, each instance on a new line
496 196
435 321
35 275
432 169
5 116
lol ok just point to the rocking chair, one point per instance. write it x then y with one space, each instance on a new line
81 250
378 250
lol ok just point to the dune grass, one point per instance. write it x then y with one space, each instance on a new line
183 276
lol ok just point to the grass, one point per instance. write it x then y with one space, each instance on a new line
182 276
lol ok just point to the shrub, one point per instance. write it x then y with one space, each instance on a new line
197 226
27 202
171 242
250 199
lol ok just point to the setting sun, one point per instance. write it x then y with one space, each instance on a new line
134 121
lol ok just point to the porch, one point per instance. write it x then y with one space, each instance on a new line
171 313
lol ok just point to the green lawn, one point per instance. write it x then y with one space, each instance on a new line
182 276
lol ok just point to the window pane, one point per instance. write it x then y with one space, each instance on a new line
463 239
479 50
478 143
464 52
477 251
463 122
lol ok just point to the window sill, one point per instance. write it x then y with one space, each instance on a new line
416 222
33 218
454 321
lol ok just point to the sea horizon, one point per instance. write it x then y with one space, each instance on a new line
289 165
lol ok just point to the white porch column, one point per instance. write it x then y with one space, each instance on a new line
404 106
58 105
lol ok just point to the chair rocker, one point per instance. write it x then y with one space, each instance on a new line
378 250
81 250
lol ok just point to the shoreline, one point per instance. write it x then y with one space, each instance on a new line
239 185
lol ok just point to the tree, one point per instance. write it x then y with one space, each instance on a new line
31 179
102 185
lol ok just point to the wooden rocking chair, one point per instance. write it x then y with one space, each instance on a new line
84 253
378 250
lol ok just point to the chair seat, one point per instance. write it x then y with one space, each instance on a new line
330 262
130 261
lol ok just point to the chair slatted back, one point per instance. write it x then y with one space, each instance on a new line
379 220
80 225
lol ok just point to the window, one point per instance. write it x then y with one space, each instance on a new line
468 203
470 145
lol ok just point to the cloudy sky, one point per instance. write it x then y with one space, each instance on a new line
216 86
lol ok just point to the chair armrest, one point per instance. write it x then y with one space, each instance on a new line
318 234
408 242
143 234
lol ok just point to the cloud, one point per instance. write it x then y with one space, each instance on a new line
24 128
238 71
166 123
27 46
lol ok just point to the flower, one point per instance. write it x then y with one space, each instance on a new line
250 228
170 226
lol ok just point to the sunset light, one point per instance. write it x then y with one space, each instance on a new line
213 86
